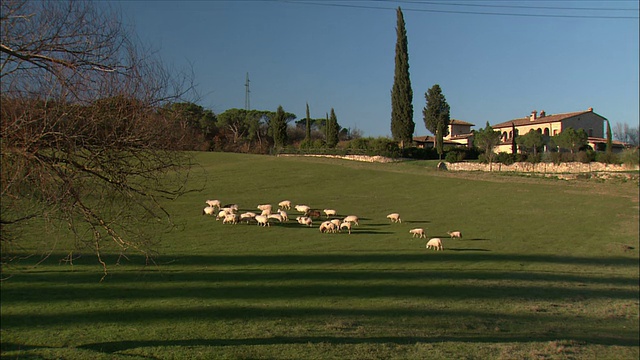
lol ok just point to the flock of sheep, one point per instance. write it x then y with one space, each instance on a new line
229 215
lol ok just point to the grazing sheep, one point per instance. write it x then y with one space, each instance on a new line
302 208
266 212
435 243
347 225
248 216
221 215
352 218
262 220
337 223
275 216
329 212
419 232
284 215
285 204
229 209
455 234
233 207
213 203
313 213
264 207
304 220
230 218
394 217
327 226
209 210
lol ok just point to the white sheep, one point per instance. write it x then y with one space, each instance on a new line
230 218
213 203
352 218
303 208
329 212
419 232
284 215
262 220
248 216
304 220
275 216
455 234
232 207
285 204
229 209
347 225
394 217
327 226
266 212
221 215
265 207
209 210
435 243
337 223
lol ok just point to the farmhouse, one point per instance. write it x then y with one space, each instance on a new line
459 134
552 124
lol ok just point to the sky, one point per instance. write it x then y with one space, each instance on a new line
494 60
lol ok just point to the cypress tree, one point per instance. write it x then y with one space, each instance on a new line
437 116
279 128
308 135
333 130
402 125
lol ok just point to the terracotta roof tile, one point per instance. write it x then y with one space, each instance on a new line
540 120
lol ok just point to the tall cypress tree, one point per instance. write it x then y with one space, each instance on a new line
308 135
279 128
333 130
436 116
402 125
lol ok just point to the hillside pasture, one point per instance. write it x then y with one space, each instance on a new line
546 269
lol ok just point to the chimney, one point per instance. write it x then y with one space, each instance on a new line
534 115
590 109
542 113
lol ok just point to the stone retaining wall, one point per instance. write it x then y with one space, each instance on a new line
544 168
365 158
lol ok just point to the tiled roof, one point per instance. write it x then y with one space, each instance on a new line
540 120
460 122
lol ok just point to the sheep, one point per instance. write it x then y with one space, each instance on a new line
313 213
347 225
213 203
394 217
208 210
435 243
285 204
419 232
327 226
329 212
230 218
248 216
275 216
262 220
265 207
221 215
302 208
352 218
304 220
337 223
284 215
229 209
266 212
233 207
455 234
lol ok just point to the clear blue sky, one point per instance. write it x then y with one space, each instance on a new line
547 55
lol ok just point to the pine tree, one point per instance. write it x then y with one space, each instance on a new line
437 116
402 125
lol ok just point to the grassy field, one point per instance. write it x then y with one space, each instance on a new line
547 269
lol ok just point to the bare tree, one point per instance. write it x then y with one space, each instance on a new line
626 134
82 143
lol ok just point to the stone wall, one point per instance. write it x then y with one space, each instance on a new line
380 159
544 168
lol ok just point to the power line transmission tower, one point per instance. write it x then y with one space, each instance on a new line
247 103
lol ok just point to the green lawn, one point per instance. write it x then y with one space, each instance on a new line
547 269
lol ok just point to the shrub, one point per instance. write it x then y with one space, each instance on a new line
608 157
454 155
630 157
505 158
534 159
586 156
